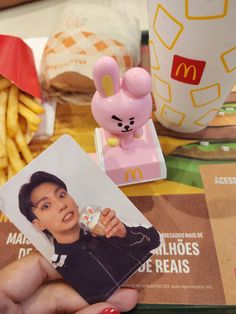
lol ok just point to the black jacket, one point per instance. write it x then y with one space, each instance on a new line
96 266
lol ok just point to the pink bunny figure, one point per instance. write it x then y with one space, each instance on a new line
121 106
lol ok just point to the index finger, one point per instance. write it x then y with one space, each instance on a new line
106 211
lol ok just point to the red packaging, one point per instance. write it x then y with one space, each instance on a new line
17 65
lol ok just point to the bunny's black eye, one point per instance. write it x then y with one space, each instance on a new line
131 121
117 119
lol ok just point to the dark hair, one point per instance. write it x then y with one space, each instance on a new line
38 178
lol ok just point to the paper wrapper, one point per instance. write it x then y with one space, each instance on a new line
17 65
85 33
193 60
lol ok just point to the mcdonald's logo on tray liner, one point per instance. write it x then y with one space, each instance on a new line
187 70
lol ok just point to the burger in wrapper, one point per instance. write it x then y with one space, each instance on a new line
84 33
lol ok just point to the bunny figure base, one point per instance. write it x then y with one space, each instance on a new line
142 162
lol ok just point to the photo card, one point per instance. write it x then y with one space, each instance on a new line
79 220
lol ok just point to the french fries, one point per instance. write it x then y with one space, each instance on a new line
14 156
3 176
29 115
22 145
12 111
3 156
31 104
19 115
10 171
32 127
3 108
3 134
4 83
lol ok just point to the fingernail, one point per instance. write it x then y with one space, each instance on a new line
110 311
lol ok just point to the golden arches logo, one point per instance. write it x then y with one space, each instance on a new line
187 70
133 173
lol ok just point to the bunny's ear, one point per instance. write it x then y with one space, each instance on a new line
106 76
138 82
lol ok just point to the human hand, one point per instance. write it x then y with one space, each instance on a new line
113 226
31 285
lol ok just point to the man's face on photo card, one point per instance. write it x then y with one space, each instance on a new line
54 208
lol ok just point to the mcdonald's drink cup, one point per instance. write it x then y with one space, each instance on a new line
193 60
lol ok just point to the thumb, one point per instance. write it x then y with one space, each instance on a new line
99 308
